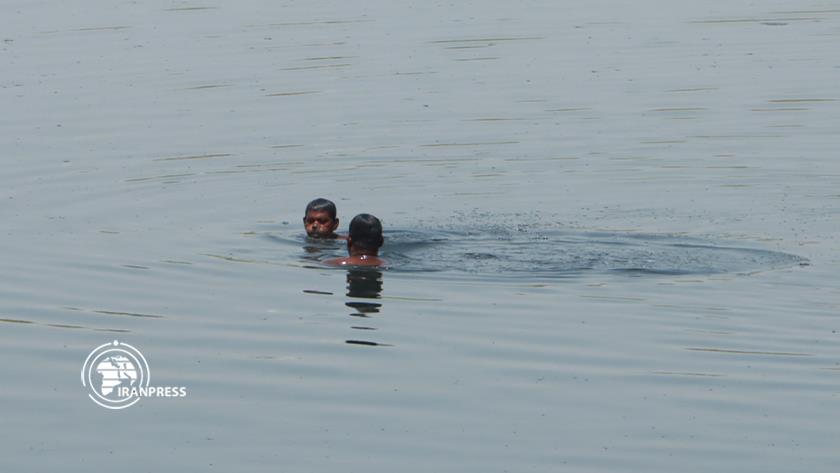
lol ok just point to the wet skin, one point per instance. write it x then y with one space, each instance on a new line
357 260
359 256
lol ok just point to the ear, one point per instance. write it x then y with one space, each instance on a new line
335 224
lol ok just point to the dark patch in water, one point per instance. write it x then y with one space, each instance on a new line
480 256
556 253
366 343
364 307
313 291
513 250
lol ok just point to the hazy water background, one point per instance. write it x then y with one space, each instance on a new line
153 151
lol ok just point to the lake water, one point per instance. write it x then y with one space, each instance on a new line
612 227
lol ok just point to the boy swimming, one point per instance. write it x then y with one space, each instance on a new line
363 243
320 219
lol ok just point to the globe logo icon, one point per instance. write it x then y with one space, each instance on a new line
113 373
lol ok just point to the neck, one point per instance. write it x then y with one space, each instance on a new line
356 251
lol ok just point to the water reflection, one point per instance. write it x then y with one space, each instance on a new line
364 283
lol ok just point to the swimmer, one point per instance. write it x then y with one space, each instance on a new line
363 243
320 220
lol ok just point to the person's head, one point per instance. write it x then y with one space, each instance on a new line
320 219
365 234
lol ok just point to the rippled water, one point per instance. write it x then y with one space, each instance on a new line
535 253
532 253
612 231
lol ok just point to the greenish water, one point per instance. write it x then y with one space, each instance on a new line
613 231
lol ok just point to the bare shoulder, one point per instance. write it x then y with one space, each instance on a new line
373 261
336 262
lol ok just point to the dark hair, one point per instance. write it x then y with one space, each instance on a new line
321 205
366 231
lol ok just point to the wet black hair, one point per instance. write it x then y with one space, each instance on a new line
366 231
321 205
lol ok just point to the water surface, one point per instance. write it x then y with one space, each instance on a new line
613 232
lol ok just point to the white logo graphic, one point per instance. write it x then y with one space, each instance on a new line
117 375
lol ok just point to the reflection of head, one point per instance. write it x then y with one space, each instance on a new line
366 232
365 283
322 205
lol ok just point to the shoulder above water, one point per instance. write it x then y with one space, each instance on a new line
358 260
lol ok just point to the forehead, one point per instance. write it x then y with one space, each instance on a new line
318 214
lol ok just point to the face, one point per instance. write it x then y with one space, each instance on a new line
318 224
